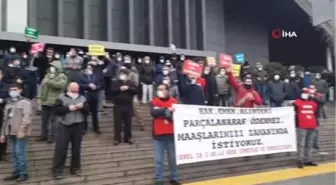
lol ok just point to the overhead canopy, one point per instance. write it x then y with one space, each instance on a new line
108 45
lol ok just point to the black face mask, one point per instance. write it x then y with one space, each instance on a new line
248 86
128 66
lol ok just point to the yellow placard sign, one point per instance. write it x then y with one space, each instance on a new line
236 69
211 61
96 50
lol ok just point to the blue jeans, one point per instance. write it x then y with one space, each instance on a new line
160 146
19 152
261 89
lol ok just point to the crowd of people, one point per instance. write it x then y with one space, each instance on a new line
68 90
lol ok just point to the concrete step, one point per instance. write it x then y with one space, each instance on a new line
105 164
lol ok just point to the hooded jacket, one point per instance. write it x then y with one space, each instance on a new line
55 85
240 91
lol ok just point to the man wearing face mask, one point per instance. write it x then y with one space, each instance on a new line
52 86
17 128
322 87
276 91
246 96
147 76
292 89
163 134
306 123
74 64
12 55
193 93
123 90
13 73
71 109
134 78
223 88
260 79
90 87
211 90
158 67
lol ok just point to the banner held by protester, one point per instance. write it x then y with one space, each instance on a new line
192 68
227 132
240 58
225 60
236 70
96 50
211 61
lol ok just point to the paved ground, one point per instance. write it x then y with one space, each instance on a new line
323 179
324 174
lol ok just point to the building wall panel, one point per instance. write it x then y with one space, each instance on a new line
97 20
160 21
73 18
46 17
141 22
215 25
246 30
119 21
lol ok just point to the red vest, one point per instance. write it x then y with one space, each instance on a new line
305 113
162 126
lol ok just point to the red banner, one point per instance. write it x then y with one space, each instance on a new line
192 68
225 60
37 47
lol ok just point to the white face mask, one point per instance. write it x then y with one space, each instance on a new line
260 68
89 72
52 69
166 82
119 59
24 56
206 72
123 77
73 95
127 61
318 77
292 75
286 81
276 77
305 96
57 56
222 73
162 61
193 81
165 72
139 60
12 50
147 61
182 58
160 94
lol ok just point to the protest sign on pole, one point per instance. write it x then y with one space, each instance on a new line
31 33
37 47
211 61
225 60
96 50
192 68
205 133
236 70
240 58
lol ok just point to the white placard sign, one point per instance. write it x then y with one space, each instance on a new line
204 133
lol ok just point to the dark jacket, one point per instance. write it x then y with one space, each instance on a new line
292 90
84 85
123 99
210 89
42 64
147 74
193 94
4 94
11 74
276 92
319 100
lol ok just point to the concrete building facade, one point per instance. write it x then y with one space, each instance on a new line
196 27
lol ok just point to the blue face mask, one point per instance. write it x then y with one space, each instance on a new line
14 94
